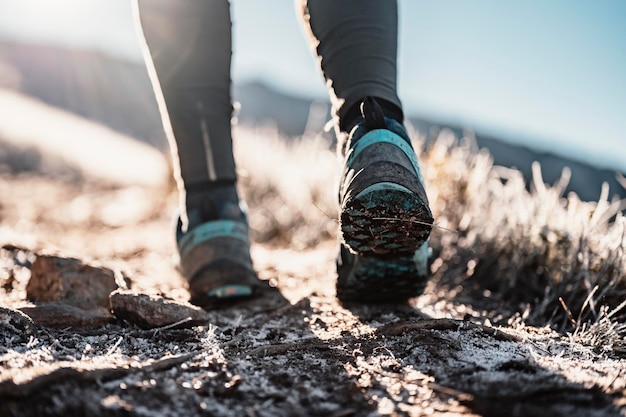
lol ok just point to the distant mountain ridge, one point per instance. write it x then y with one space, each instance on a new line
117 93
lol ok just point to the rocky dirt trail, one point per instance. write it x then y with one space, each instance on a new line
299 352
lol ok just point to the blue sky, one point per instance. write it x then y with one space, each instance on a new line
551 73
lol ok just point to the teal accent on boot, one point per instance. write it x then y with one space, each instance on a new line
385 136
212 230
228 291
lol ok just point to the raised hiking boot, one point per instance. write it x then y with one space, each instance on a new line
371 279
384 208
215 260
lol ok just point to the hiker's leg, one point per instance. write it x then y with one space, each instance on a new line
384 214
356 43
188 55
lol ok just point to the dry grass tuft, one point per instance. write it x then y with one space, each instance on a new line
290 187
535 250
604 333
535 254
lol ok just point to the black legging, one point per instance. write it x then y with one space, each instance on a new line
189 52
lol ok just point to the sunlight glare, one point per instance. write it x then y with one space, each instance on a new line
105 25
61 13
43 13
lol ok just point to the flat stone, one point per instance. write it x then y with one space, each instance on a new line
151 311
16 323
60 315
55 278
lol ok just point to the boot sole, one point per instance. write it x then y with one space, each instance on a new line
385 220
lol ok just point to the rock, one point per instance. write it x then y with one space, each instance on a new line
150 311
60 315
69 293
55 278
16 323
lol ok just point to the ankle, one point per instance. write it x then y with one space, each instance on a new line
353 115
214 202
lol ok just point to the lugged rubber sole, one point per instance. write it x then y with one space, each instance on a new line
385 220
375 280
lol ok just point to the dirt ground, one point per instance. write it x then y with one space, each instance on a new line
297 353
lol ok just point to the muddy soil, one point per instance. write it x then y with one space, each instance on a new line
298 352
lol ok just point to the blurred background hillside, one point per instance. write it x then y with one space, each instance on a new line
532 81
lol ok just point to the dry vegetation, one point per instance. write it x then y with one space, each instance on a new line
536 256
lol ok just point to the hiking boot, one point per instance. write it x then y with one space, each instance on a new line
215 257
385 218
371 279
384 208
